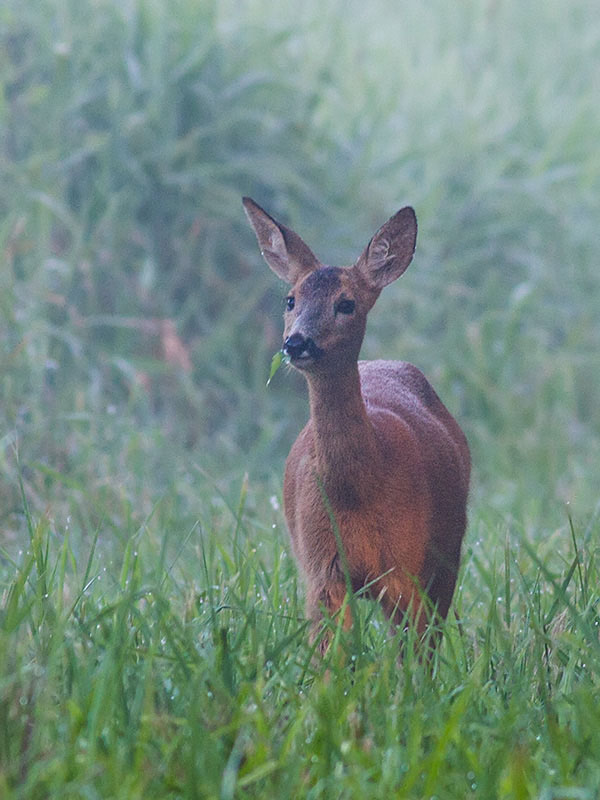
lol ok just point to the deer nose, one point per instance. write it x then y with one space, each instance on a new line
295 345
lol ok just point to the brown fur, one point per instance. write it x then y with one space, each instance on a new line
392 461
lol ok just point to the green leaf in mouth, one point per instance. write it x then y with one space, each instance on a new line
278 359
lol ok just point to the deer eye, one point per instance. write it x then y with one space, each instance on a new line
345 307
289 303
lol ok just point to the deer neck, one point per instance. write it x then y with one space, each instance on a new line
345 443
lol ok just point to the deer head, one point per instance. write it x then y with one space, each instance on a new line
327 307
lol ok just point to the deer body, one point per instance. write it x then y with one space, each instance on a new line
391 460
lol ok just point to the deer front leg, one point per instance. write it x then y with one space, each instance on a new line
402 603
405 605
326 600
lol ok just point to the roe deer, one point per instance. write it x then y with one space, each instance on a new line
380 448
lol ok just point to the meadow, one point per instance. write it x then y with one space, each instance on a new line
153 642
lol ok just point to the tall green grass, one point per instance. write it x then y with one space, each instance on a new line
152 637
144 670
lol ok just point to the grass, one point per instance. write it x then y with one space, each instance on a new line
152 635
131 672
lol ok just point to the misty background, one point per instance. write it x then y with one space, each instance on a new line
137 319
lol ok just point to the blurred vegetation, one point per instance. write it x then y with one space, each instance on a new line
137 323
134 302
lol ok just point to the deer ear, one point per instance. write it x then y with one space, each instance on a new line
283 250
390 251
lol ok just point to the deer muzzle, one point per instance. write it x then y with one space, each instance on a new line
298 347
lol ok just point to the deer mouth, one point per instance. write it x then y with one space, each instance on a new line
302 360
302 353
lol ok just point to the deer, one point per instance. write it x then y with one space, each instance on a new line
381 466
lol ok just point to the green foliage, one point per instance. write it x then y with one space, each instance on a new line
150 673
152 638
128 145
278 359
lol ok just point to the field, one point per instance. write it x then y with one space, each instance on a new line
153 642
